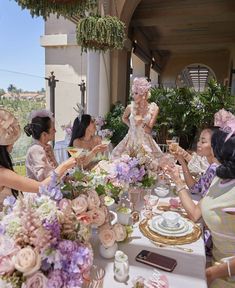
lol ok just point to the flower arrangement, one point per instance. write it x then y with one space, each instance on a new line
44 243
103 133
60 7
97 32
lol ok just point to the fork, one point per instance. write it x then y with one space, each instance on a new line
172 246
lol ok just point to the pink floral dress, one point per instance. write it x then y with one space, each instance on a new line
40 161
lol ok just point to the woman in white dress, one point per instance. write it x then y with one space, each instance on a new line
140 116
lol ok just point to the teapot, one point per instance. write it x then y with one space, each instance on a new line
121 266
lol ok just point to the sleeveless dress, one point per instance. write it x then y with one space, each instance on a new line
137 137
221 224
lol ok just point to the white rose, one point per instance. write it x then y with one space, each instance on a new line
107 237
120 232
7 246
27 261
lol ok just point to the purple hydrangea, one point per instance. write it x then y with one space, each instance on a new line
55 279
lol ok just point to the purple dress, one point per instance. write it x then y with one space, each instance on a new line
204 182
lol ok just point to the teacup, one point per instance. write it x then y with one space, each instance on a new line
162 191
123 214
171 219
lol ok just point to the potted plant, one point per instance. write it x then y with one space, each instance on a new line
60 7
102 33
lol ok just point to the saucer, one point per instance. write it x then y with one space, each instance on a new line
179 226
184 228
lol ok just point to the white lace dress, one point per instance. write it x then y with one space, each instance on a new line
137 137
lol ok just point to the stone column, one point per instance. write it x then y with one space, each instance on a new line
93 81
104 83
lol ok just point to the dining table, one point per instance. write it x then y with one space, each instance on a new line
189 271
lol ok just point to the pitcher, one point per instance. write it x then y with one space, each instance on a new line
121 266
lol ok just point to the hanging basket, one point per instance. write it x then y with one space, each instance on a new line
60 7
100 33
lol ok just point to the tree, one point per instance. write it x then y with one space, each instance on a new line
2 92
12 88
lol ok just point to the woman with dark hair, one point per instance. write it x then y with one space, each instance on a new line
84 136
10 181
218 206
40 158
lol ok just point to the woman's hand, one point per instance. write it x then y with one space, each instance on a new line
173 172
210 275
70 163
100 148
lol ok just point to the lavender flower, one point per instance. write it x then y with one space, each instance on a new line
54 227
9 201
53 189
66 246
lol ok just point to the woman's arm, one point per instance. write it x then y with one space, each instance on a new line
193 210
126 114
10 179
155 112
190 181
220 271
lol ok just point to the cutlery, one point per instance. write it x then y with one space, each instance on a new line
172 246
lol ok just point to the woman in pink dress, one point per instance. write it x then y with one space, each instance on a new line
10 182
140 116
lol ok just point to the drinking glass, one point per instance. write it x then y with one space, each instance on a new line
94 278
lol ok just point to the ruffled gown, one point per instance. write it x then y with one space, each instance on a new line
137 138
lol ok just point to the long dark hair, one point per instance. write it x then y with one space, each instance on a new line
79 127
224 151
37 127
5 161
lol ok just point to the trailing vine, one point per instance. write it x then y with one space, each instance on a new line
97 32
60 7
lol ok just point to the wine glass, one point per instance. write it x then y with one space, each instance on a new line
74 151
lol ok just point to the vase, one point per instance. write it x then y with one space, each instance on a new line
109 252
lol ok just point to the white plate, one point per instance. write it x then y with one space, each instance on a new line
188 228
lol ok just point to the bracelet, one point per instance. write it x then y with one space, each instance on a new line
180 189
229 270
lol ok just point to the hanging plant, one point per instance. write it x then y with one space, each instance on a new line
103 33
60 7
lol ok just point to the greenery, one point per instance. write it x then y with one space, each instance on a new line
113 121
184 112
21 109
97 32
60 7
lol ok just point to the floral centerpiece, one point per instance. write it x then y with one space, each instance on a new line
44 242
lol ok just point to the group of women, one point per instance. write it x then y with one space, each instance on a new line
216 186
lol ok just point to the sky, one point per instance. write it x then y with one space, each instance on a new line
20 49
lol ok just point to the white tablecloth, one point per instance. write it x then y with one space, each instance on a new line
189 272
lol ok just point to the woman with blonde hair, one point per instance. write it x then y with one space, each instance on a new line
140 116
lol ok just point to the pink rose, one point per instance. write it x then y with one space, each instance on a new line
65 204
38 280
85 218
120 232
93 199
7 246
6 265
79 204
97 216
27 261
107 237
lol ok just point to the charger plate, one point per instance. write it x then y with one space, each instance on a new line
170 240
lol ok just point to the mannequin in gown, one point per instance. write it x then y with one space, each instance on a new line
140 116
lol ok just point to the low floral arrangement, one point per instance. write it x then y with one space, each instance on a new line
44 242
